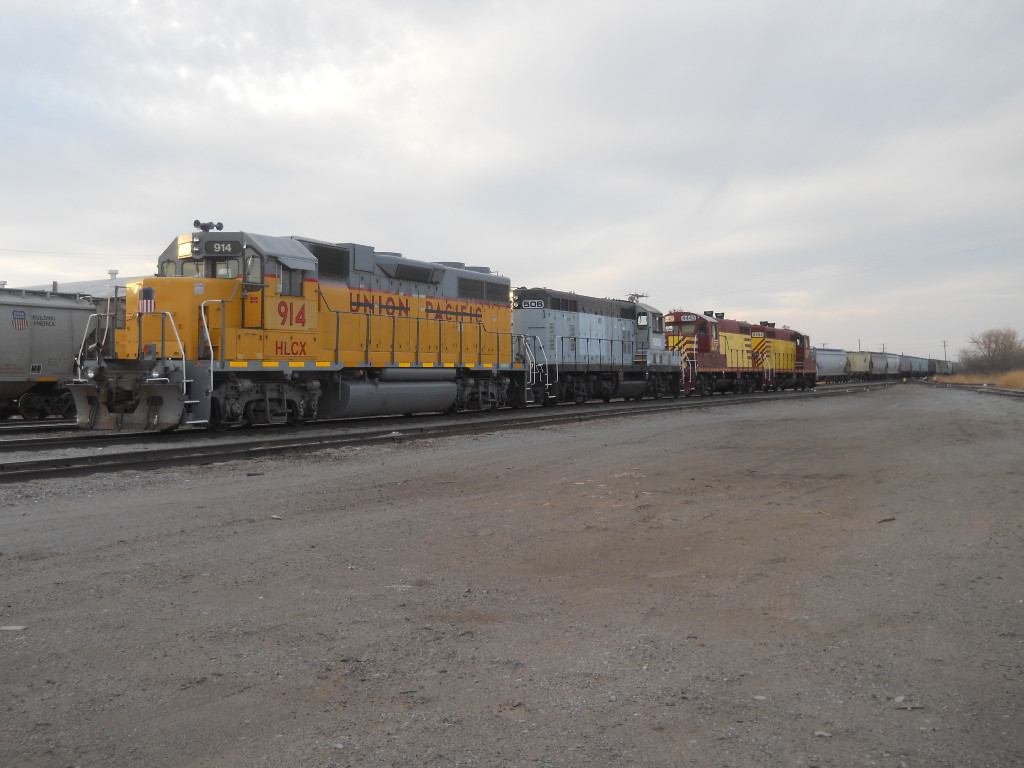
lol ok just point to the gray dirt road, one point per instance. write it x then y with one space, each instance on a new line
827 582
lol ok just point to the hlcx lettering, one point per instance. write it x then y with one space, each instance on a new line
289 348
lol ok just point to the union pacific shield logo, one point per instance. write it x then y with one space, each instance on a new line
19 319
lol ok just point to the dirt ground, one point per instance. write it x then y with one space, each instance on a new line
836 581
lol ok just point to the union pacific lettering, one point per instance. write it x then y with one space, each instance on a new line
450 310
378 304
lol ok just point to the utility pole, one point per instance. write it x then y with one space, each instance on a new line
944 349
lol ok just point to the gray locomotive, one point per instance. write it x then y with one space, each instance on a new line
40 335
583 348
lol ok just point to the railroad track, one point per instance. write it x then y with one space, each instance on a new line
982 388
24 459
19 426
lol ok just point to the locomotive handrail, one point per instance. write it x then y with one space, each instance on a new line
627 355
337 325
163 342
110 325
80 358
100 342
223 325
535 367
418 351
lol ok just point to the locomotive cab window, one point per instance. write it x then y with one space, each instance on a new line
167 269
658 323
190 268
253 270
222 269
641 320
291 281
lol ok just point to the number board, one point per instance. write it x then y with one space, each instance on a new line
213 248
222 248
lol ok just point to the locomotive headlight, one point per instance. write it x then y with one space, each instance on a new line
90 373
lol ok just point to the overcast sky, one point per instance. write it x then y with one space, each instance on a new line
854 170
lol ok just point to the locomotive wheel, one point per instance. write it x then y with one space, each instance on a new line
64 406
216 423
30 407
294 419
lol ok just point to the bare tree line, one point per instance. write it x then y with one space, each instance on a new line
993 351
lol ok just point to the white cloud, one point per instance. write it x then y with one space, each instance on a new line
787 158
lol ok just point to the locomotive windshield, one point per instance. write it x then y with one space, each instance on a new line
220 268
684 329
655 321
225 269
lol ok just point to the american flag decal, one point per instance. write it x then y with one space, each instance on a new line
19 319
147 301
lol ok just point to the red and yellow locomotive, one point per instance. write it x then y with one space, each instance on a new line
722 355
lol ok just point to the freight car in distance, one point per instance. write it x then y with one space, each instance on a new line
40 332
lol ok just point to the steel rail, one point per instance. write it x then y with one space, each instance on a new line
209 447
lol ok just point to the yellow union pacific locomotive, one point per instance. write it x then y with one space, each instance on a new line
238 328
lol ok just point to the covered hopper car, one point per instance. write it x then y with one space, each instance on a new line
837 365
40 332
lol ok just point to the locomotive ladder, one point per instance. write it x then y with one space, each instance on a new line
536 372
